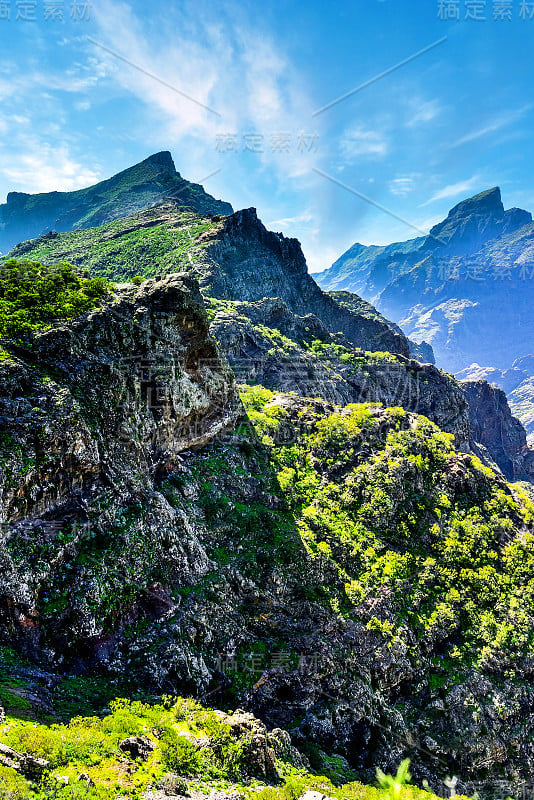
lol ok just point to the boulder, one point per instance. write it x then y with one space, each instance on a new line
137 747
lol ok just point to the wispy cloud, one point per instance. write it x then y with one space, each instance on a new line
359 141
455 190
43 168
233 67
403 185
305 218
502 121
423 111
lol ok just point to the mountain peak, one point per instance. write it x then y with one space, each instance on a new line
26 216
486 202
470 223
163 159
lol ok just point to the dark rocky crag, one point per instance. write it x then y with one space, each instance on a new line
138 541
494 427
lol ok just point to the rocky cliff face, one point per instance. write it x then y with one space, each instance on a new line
25 216
267 343
90 415
493 426
244 261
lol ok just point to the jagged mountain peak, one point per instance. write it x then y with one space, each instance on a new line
162 159
474 221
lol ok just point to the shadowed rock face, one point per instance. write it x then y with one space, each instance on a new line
26 216
124 388
493 426
242 260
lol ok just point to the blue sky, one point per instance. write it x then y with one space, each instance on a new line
236 98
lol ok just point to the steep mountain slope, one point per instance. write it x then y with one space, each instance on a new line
237 260
25 216
421 351
467 288
344 572
517 382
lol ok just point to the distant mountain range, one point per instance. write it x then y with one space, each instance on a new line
26 216
467 289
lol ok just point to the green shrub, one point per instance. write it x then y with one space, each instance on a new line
179 754
34 296
12 785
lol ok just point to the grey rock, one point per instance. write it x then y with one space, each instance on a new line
137 747
26 764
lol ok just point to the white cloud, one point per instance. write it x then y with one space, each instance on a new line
423 111
233 68
360 141
403 186
46 168
455 189
305 218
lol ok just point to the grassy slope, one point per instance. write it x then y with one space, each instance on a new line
117 252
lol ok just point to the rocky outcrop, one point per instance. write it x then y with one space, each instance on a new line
26 764
25 216
131 385
493 426
91 414
241 260
517 382
137 747
334 370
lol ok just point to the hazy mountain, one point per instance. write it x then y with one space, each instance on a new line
467 289
25 216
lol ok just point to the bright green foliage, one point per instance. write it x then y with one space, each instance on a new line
118 253
194 751
393 785
382 498
33 296
179 754
265 417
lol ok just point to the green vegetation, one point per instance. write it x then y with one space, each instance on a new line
33 296
118 253
193 749
382 498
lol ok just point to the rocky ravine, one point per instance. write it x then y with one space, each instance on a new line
146 534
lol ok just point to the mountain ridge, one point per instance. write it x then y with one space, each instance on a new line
467 289
25 216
